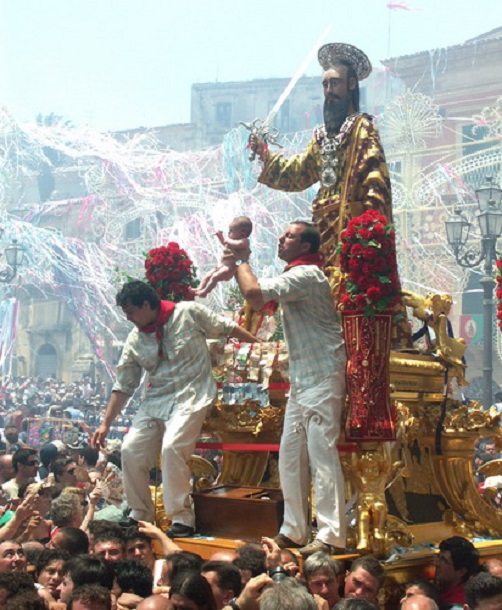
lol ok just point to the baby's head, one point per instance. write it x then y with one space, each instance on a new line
240 227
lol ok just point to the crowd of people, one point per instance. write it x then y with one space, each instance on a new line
65 543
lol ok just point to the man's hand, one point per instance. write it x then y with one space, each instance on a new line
96 494
272 552
99 437
249 599
257 146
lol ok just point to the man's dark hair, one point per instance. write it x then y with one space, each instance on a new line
370 565
136 293
429 589
134 576
88 569
25 600
111 533
48 453
251 557
15 582
133 533
91 594
463 555
228 575
90 455
73 540
310 235
480 587
59 465
182 562
48 556
195 587
355 603
21 456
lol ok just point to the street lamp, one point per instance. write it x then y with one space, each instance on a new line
489 215
14 255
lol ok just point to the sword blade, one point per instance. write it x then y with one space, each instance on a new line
294 79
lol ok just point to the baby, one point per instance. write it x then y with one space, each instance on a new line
238 232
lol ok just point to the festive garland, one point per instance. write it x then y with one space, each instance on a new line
498 292
367 251
171 273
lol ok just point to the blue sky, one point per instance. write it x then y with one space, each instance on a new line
116 64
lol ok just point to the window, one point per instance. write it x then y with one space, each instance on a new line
224 114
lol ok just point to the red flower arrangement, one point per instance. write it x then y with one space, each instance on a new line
170 271
498 292
367 251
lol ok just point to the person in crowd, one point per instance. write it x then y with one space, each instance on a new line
13 583
70 539
49 452
317 396
66 511
483 592
155 602
25 600
50 570
85 570
90 597
364 579
134 580
178 562
322 575
224 579
419 602
287 594
6 469
455 563
38 527
109 543
191 590
25 465
64 469
12 557
251 561
139 545
421 587
169 342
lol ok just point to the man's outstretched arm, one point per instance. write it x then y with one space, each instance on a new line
249 286
118 400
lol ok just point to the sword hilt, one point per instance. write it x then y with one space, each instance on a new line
262 131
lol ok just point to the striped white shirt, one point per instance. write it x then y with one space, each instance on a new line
182 378
312 332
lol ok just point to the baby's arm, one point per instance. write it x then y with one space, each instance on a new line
221 237
237 244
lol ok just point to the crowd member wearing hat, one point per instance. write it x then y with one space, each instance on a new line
345 155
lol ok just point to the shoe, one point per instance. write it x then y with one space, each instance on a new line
319 546
178 530
283 542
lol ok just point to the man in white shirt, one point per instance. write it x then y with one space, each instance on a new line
168 343
317 373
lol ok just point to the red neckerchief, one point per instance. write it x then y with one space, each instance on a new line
306 259
166 309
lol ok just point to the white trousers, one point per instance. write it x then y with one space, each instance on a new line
175 439
308 449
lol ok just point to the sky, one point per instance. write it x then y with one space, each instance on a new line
119 64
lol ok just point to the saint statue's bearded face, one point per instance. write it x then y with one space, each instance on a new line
338 105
